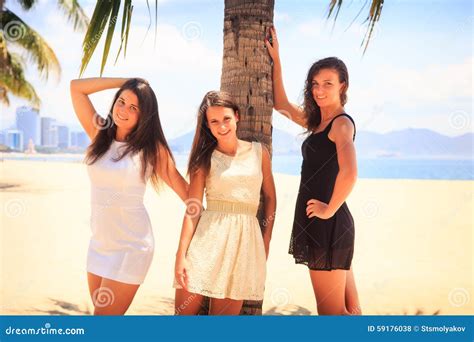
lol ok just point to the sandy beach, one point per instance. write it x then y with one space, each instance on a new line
413 245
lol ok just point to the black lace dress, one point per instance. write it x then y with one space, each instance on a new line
321 244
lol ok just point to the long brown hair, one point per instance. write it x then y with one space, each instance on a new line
145 138
204 142
311 108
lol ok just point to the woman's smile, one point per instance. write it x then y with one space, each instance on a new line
121 117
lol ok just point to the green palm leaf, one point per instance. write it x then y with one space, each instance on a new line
12 80
27 4
99 20
373 17
74 13
105 13
18 33
4 96
126 17
110 34
70 8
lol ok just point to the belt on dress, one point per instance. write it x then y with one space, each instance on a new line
232 207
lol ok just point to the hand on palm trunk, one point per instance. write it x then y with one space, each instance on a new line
273 47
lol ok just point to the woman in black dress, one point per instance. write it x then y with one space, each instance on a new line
323 227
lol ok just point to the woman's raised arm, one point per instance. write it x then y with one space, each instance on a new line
280 100
85 111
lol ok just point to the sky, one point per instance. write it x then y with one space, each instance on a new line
416 73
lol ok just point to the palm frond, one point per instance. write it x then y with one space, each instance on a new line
4 96
126 18
105 12
333 4
156 22
150 20
12 79
74 13
27 4
18 33
110 34
127 30
373 17
15 32
100 18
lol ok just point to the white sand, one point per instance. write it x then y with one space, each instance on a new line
413 245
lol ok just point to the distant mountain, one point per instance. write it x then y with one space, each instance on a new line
182 144
407 143
414 143
283 142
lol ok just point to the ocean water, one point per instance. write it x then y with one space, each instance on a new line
388 168
392 168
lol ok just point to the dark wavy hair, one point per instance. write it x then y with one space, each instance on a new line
204 142
146 137
311 108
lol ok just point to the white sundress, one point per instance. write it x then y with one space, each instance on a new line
122 243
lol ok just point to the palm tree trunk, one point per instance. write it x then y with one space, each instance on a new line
247 76
246 67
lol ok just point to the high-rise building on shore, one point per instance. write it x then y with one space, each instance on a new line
14 139
32 130
28 122
63 136
49 132
79 139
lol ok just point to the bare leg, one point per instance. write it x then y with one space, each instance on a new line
187 303
94 282
113 297
225 306
329 289
352 297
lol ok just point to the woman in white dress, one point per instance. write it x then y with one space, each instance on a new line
222 253
128 148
